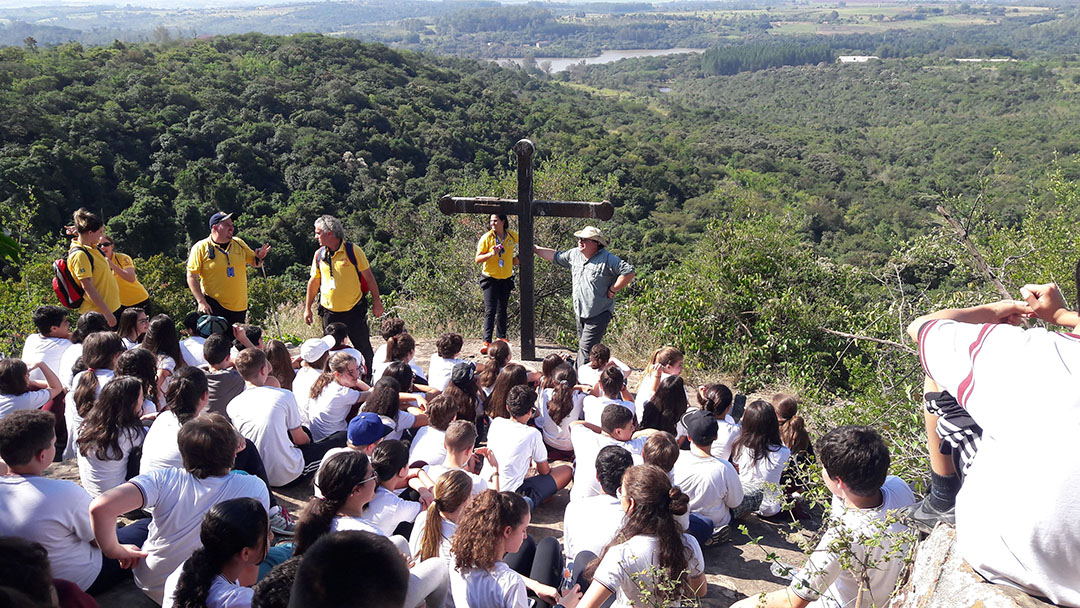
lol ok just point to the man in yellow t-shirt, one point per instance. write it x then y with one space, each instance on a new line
337 280
91 269
132 293
217 270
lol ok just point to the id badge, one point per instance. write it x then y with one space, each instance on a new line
331 283
502 262
230 272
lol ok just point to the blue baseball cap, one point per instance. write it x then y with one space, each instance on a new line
368 428
219 217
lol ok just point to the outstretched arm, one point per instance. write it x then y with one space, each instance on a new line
544 252
1005 311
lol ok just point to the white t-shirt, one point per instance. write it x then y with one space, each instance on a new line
178 501
265 414
764 473
327 413
30 400
435 471
67 361
1021 386
712 485
589 524
558 435
168 364
403 422
98 476
223 592
516 446
727 431
301 388
588 376
191 349
499 588
623 561
71 413
593 407
447 530
379 366
342 523
587 446
439 371
55 513
160 448
380 355
386 510
40 348
128 343
428 446
857 529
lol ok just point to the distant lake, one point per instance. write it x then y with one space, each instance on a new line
559 64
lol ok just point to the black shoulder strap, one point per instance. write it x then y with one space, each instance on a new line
87 252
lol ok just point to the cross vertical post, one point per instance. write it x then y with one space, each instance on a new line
524 150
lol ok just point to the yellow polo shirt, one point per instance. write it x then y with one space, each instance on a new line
100 273
229 291
339 281
491 267
131 292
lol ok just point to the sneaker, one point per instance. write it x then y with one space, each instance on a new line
283 524
484 348
924 517
719 535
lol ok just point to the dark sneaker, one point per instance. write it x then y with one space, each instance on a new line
720 535
924 517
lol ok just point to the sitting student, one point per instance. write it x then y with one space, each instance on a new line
340 333
600 359
313 356
559 407
434 527
281 363
393 515
385 400
648 538
269 418
246 336
617 428
662 450
510 376
855 463
401 347
111 436
275 588
139 363
365 432
19 392
335 397
352 570
664 362
717 399
792 426
191 347
611 388
50 511
590 523
132 326
493 527
390 328
463 391
548 366
498 356
50 343
443 362
460 439
223 380
178 500
665 408
24 567
348 483
101 351
516 445
187 398
428 446
712 484
410 384
89 323
163 342
220 573
760 457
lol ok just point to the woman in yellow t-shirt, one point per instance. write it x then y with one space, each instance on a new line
497 252
132 293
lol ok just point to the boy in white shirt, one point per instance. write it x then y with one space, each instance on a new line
712 484
178 500
390 513
589 524
191 347
459 441
53 512
516 445
611 388
428 445
443 362
866 503
618 427
51 341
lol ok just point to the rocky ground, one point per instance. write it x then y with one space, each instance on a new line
735 569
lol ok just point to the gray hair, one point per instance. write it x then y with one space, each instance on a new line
331 224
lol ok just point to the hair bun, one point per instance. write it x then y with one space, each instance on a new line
678 502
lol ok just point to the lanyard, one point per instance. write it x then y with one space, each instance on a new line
497 244
225 250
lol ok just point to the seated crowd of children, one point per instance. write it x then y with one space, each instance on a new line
427 479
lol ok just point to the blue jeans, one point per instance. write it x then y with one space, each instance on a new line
701 528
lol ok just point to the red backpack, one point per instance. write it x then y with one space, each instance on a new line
68 289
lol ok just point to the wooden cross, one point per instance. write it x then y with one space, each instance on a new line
525 208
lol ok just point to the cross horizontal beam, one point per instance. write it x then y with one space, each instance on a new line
507 206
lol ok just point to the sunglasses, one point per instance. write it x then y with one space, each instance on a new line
106 244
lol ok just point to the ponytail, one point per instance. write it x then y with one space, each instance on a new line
452 489
339 475
398 347
338 363
99 352
547 370
498 356
562 396
228 528
792 426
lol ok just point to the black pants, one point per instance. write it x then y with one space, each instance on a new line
356 320
313 452
496 297
111 573
144 305
232 316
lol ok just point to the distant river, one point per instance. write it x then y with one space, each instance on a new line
559 64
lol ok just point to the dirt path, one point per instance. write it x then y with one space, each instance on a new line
734 570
